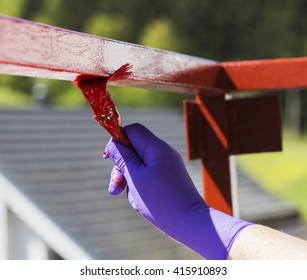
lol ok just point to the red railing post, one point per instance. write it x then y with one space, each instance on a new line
218 127
207 124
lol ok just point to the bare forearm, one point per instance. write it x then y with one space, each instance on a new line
260 242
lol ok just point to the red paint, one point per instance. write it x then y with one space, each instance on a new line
207 135
105 154
217 128
217 187
56 53
267 74
94 89
211 120
254 125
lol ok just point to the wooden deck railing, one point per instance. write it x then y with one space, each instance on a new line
217 125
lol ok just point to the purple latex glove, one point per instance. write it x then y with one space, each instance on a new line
160 188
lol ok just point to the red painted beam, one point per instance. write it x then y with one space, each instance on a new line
33 49
267 74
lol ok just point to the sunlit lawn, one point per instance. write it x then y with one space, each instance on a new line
283 173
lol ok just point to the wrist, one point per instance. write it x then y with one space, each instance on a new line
210 232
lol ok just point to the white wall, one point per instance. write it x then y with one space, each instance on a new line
26 224
23 243
3 226
17 241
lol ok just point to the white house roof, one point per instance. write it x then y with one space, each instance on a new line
54 159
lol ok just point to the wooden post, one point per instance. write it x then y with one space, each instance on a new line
215 161
218 127
211 127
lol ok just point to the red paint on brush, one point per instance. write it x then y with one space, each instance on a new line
94 89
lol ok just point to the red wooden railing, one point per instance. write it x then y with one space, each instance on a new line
217 126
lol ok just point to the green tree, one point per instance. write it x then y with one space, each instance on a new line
13 7
161 34
113 26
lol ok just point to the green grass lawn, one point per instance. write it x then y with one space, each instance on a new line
282 173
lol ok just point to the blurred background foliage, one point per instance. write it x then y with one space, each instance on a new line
218 30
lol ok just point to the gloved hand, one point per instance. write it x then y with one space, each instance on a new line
160 189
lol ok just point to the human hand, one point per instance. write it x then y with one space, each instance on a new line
160 189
